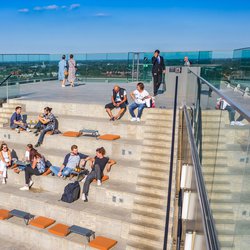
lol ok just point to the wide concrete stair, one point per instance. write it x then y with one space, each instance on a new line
148 218
129 207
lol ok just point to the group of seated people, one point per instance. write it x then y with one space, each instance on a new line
119 99
46 122
35 164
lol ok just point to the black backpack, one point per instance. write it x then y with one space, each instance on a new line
71 192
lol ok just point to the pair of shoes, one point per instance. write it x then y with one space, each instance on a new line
4 181
239 123
133 119
25 188
138 119
84 198
28 130
38 144
99 183
232 123
18 130
112 118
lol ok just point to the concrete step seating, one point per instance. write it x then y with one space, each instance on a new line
61 230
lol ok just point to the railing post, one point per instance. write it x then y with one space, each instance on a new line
171 167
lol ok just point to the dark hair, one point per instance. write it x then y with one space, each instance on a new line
157 51
63 57
18 107
73 147
140 85
2 145
30 146
48 109
32 154
71 56
36 154
101 150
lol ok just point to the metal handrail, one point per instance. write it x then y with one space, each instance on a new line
236 106
212 241
6 79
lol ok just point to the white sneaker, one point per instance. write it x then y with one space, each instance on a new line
138 119
17 130
239 123
25 188
3 181
99 183
28 130
31 183
133 119
232 123
83 197
63 86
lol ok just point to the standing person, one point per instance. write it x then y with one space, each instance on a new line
5 161
17 122
62 70
37 168
157 70
72 70
186 61
50 123
139 96
98 166
118 100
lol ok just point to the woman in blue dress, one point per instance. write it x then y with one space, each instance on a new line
62 70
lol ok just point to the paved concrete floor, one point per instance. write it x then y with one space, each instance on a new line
101 93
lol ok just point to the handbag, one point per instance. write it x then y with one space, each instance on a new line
66 73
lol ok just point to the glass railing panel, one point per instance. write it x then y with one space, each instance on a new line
222 135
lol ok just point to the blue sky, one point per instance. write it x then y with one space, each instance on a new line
51 26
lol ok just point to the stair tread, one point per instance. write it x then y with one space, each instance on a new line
147 214
146 235
142 246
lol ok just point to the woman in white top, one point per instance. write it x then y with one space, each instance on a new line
5 161
139 96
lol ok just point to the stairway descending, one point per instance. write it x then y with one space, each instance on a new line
148 217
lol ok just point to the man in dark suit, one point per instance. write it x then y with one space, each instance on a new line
157 70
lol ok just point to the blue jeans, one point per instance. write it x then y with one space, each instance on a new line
231 113
43 132
65 172
134 106
14 126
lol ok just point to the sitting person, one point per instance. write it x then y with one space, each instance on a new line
118 100
71 161
37 168
98 166
27 160
5 161
16 121
139 96
46 123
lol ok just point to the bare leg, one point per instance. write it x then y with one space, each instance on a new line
109 112
119 113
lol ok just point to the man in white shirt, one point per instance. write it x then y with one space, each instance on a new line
139 96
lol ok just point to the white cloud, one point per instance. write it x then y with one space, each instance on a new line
24 10
51 7
74 6
102 14
38 8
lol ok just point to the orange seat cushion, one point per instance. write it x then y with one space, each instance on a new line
104 178
109 137
72 134
4 214
42 222
47 172
59 230
102 243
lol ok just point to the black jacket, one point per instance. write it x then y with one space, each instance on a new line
121 93
158 67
